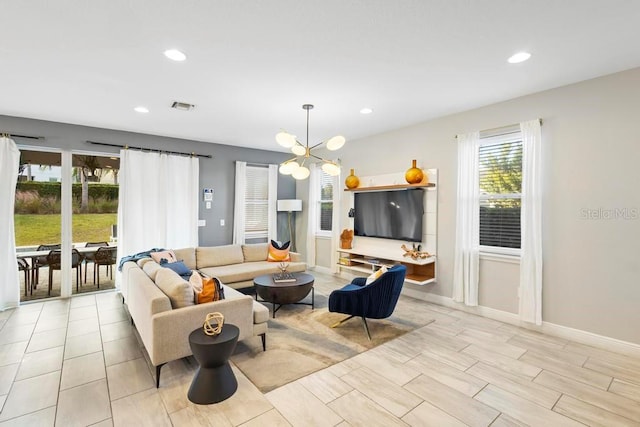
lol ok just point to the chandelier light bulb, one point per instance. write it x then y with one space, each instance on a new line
285 139
299 150
336 143
288 168
331 169
301 173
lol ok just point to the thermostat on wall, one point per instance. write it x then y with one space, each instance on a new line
207 194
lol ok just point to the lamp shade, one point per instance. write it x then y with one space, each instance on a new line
290 205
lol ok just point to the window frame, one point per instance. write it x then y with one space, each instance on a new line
318 231
251 235
511 137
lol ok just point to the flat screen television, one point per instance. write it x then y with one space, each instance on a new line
389 214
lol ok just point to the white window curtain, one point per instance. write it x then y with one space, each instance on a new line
240 202
10 283
272 202
312 215
531 224
335 223
158 202
467 244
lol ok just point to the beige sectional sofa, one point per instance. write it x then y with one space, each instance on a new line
164 328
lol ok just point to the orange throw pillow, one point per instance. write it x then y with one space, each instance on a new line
211 290
278 255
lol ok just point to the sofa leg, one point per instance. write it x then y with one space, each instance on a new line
158 374
264 341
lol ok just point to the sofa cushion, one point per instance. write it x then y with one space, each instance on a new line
151 268
255 252
218 255
249 270
175 287
142 261
186 255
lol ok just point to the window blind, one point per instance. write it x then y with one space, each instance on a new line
256 197
326 202
500 179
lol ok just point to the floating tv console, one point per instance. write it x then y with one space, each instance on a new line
368 253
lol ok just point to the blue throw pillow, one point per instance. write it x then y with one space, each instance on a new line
178 267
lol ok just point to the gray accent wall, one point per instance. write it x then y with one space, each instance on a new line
217 173
590 206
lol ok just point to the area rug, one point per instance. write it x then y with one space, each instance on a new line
300 341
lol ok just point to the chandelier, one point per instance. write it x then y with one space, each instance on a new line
296 166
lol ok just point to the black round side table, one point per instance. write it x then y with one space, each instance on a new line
214 380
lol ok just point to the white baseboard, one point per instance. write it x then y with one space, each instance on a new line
577 335
320 269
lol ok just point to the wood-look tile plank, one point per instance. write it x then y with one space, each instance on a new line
515 384
385 393
505 420
568 370
449 357
271 418
561 355
398 350
199 416
534 343
503 362
589 414
459 405
626 389
84 405
426 414
522 409
603 399
140 409
42 418
488 331
425 338
390 369
603 355
486 340
452 377
617 369
300 407
446 329
247 402
344 367
358 410
31 395
325 386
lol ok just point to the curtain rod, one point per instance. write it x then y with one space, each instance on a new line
503 127
15 135
126 147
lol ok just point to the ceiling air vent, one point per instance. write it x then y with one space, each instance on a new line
184 106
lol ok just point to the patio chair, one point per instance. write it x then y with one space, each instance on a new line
104 256
53 260
89 256
40 261
23 265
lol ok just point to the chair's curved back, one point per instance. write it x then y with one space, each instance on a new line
383 293
374 301
105 256
53 259
42 260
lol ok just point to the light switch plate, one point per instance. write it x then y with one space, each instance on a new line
222 222
202 222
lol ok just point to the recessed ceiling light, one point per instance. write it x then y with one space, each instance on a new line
175 55
366 110
141 109
519 57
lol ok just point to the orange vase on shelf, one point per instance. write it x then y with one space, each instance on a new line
414 175
352 181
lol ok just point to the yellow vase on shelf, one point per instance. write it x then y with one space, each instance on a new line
352 181
414 175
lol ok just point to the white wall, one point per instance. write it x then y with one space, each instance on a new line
591 161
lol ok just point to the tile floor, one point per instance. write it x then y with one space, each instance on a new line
78 362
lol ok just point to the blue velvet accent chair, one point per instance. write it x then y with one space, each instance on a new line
374 301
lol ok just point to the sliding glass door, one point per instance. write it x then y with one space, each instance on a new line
65 222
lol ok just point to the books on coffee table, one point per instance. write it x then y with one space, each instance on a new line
284 277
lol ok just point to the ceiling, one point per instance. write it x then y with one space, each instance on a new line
252 64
